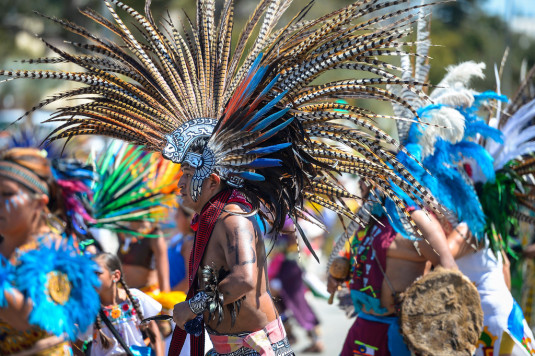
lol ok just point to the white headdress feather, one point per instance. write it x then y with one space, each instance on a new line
516 137
452 92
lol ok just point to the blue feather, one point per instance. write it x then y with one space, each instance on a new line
255 64
273 131
269 86
257 78
264 163
265 110
479 154
252 176
81 308
270 149
6 277
270 119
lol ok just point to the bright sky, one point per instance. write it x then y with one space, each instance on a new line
507 8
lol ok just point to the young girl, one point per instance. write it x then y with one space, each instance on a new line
125 308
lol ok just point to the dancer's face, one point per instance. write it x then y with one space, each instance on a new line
20 210
210 187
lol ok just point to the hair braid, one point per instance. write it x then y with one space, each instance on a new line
137 308
105 340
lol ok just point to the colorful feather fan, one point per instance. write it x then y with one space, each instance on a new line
266 120
132 186
62 285
450 183
74 180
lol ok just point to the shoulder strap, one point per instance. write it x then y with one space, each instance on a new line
115 333
207 221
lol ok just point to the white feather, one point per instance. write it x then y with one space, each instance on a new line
452 92
456 98
462 74
452 130
516 137
455 83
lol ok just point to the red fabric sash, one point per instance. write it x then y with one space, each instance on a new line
206 223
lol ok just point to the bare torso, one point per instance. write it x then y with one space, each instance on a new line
139 277
257 308
403 266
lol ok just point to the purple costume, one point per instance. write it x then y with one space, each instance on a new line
292 293
371 334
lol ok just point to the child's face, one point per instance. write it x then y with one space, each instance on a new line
106 277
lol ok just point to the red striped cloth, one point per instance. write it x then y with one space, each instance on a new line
205 225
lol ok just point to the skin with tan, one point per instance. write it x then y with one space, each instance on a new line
237 247
403 262
110 295
138 276
19 224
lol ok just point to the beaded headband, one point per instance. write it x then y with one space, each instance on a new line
24 176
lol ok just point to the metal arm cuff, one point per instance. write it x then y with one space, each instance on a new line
199 303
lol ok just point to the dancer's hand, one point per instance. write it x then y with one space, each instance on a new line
182 313
332 284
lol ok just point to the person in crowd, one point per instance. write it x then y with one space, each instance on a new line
125 308
144 259
288 288
179 249
42 274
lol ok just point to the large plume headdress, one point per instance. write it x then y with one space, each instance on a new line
262 121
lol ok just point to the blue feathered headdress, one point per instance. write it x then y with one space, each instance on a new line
449 182
63 287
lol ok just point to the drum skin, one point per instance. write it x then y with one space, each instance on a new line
440 314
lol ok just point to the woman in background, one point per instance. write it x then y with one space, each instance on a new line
31 243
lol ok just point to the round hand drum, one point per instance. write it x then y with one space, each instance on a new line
441 314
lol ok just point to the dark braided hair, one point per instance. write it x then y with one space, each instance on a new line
113 263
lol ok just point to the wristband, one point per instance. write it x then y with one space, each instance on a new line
199 303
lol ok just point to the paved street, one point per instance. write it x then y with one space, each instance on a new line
334 326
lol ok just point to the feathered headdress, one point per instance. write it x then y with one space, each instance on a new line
256 112
29 135
132 185
447 152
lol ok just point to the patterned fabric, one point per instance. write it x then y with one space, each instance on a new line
120 313
270 341
126 321
24 176
504 328
374 335
205 224
13 341
367 276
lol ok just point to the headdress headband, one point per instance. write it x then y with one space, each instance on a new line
24 176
